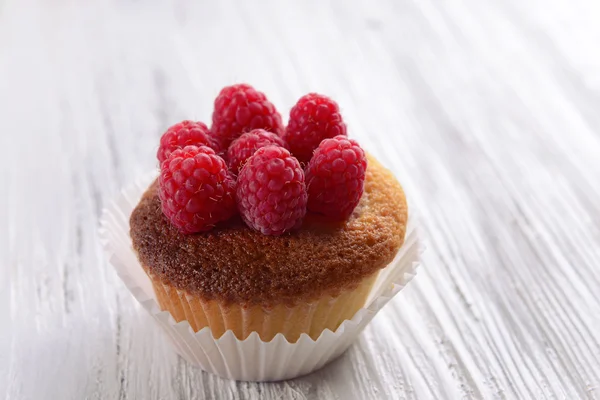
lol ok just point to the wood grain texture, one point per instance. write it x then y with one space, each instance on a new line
487 111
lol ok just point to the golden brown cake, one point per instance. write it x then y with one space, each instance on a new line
232 277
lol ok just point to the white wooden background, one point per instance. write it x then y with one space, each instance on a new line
487 110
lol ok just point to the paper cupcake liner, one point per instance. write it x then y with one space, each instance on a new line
250 359
309 317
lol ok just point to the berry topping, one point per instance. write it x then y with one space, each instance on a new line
243 147
335 177
241 108
314 117
184 134
271 193
196 189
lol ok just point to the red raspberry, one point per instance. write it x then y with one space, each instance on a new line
243 147
241 108
314 117
196 189
335 177
271 193
183 134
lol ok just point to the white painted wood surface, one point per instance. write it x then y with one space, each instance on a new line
488 111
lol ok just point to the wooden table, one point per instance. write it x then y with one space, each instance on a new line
487 111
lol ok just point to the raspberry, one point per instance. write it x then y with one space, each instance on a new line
183 134
196 189
271 193
241 108
243 147
314 117
335 177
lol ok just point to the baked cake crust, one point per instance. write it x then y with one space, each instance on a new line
233 264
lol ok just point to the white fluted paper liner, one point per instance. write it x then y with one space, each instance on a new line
251 359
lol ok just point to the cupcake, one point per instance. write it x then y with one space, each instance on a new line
259 244
264 243
233 277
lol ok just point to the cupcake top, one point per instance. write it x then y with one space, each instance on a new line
234 263
254 212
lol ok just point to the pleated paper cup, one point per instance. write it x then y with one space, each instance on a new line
310 318
250 359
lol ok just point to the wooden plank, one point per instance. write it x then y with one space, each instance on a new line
486 111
